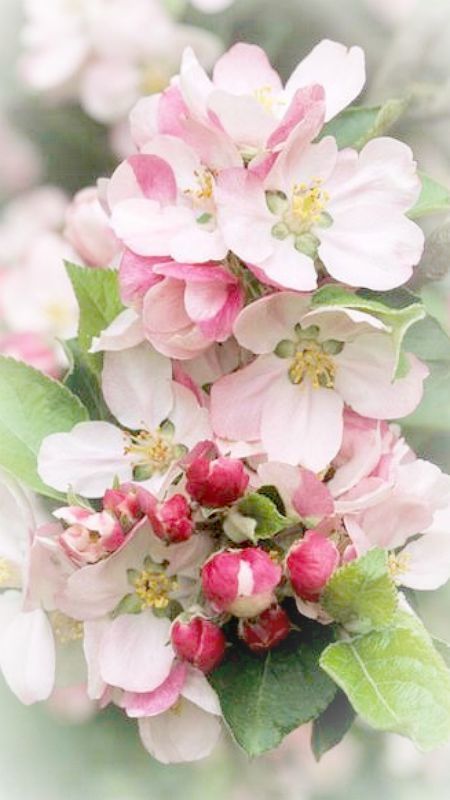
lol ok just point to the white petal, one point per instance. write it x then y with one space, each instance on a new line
86 459
124 332
185 733
27 656
199 691
428 562
137 386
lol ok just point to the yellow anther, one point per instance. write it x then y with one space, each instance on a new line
265 98
308 202
313 363
398 564
205 183
154 588
66 629
9 574
152 450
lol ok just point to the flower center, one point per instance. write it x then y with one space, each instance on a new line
313 363
265 98
66 629
153 452
154 79
153 588
308 202
398 564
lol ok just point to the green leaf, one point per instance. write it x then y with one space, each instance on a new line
31 407
264 699
97 292
395 680
331 726
433 199
355 126
84 379
263 510
361 595
397 309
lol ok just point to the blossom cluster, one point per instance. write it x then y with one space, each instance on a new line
246 450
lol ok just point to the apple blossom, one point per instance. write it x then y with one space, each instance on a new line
310 564
214 480
310 362
199 641
241 582
87 229
265 631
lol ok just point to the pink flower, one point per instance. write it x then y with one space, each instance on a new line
88 230
316 202
214 480
186 307
129 504
198 641
265 631
172 519
33 350
240 582
90 536
310 363
310 564
246 100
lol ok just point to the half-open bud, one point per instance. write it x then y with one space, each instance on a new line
266 631
241 582
172 520
90 536
310 564
198 641
213 480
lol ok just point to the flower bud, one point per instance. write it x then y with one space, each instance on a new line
310 564
266 631
90 536
129 503
172 519
240 582
214 480
198 641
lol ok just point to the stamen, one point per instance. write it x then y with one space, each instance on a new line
398 564
66 629
153 588
313 363
9 574
265 97
154 451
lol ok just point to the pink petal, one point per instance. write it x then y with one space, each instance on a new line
262 324
312 497
243 69
149 704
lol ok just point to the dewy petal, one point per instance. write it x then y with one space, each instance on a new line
186 733
237 400
124 332
244 69
339 70
27 656
300 424
150 704
262 324
364 378
87 459
137 386
135 652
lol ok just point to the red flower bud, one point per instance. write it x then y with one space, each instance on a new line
266 631
171 520
241 582
310 564
199 641
128 503
214 480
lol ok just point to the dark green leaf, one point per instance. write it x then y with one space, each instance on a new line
330 728
84 379
355 126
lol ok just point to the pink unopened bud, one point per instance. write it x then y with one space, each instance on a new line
266 631
172 520
310 564
214 480
199 641
241 582
129 503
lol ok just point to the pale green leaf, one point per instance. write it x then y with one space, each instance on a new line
395 680
434 198
263 510
97 292
31 407
355 126
361 595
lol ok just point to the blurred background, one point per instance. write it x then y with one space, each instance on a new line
67 84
